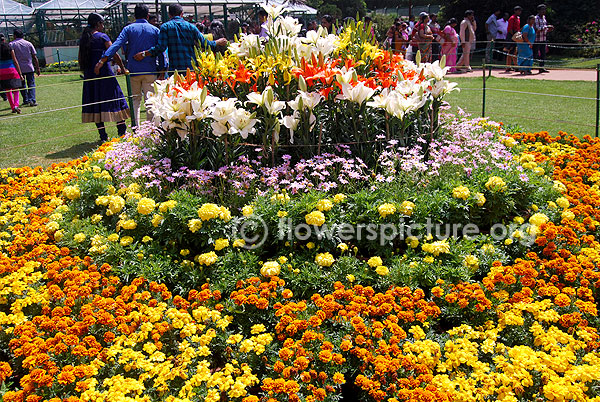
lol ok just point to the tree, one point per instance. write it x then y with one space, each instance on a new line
339 8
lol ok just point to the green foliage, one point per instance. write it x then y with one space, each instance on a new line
588 33
339 8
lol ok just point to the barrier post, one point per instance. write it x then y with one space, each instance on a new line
597 99
483 101
130 100
58 57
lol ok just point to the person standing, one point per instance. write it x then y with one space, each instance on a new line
514 26
401 39
491 30
2 93
541 29
135 37
450 43
327 23
180 38
501 35
263 16
425 38
435 30
525 48
468 26
28 61
10 76
102 99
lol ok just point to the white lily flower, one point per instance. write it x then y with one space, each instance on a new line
223 109
274 11
242 123
291 122
434 70
357 94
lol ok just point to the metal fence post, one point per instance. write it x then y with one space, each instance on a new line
130 100
597 99
483 101
58 57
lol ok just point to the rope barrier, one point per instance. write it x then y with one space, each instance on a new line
546 67
62 108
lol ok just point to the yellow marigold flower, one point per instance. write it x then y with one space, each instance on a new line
282 214
559 186
566 214
310 245
437 247
52 226
79 237
257 329
207 258
58 235
115 204
412 241
145 206
518 220
539 171
96 218
146 239
126 241
167 205
488 248
338 198
315 218
247 210
220 244
534 207
495 184
552 205
382 270
538 219
184 252
282 260
129 224
71 192
324 259
472 262
209 211
270 268
98 155
508 141
343 247
406 208
417 332
375 261
194 225
113 237
429 259
236 338
324 205
461 192
351 278
479 199
386 209
239 243
563 202
508 242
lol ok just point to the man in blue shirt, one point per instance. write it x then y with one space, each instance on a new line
180 38
138 36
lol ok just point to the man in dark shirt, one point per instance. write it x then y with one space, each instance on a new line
179 38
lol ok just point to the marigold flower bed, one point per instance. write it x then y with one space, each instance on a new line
72 330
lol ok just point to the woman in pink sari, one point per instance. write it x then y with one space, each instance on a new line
450 43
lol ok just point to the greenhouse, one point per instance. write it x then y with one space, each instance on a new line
225 10
60 22
14 15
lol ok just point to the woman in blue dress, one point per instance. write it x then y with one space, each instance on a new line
525 48
102 99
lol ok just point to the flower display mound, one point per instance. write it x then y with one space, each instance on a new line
286 96
117 288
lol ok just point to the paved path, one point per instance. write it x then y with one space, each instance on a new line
553 75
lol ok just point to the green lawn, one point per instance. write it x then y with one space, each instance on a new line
37 138
528 111
45 138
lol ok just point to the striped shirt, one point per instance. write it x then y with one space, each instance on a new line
179 38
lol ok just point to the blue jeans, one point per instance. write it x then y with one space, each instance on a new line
28 92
